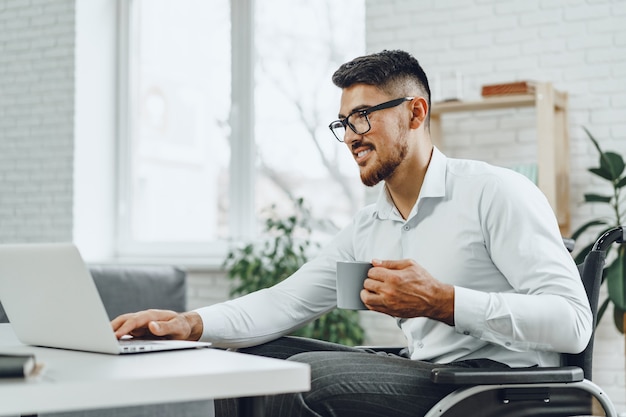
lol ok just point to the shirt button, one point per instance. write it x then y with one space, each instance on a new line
466 333
507 344
407 227
420 345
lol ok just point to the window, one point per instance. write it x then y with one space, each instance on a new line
297 155
213 131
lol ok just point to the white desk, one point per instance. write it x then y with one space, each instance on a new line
79 381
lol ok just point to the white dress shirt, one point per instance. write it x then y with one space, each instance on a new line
486 230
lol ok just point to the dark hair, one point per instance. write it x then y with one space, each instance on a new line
394 72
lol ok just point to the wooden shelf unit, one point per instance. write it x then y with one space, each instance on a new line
552 138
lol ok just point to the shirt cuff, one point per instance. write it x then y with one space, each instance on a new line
212 324
469 311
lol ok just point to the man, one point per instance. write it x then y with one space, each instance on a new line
468 257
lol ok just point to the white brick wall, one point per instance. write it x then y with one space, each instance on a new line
36 120
578 45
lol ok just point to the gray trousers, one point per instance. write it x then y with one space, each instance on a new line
351 382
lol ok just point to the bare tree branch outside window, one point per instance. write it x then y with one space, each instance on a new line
299 45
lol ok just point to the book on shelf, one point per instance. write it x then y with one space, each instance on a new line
516 87
17 365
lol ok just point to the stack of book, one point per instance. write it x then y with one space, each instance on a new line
517 87
17 366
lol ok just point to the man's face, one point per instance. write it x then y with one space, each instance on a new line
380 151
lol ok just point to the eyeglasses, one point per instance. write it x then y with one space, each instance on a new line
358 120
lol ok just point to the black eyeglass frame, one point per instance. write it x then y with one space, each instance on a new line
364 113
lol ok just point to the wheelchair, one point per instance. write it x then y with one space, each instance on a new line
549 391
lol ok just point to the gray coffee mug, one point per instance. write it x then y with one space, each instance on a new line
350 278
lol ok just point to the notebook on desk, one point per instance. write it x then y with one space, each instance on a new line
51 300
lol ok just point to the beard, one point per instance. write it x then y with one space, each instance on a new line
383 169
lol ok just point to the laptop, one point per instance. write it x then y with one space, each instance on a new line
52 301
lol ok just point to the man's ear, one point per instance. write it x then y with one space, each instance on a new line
420 112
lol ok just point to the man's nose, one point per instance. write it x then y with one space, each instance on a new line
349 137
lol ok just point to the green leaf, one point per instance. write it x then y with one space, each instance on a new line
596 198
593 140
611 164
614 163
603 173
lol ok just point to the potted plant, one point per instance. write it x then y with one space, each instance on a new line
611 169
263 264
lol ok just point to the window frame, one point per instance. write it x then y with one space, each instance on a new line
241 166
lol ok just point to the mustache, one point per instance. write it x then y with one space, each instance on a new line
358 143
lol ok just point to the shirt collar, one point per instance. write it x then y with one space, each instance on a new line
434 186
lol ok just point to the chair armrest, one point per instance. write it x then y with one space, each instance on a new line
487 376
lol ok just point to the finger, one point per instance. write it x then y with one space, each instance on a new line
138 323
117 322
125 324
168 328
130 325
372 285
371 300
366 297
157 329
389 264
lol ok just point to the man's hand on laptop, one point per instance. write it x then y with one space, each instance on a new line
159 323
